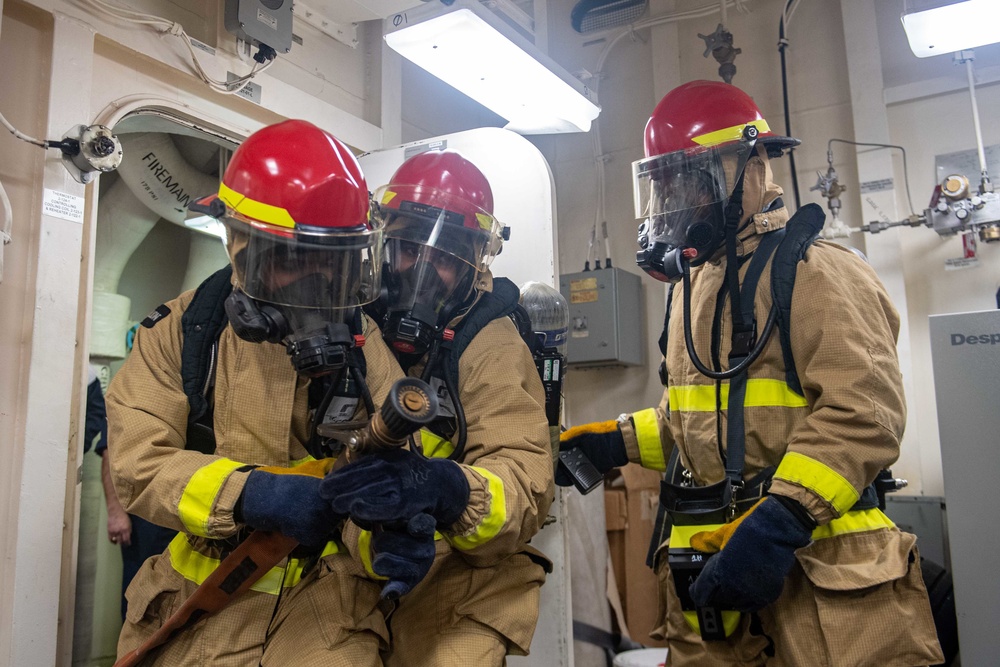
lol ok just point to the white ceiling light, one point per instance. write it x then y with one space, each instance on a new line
469 48
954 27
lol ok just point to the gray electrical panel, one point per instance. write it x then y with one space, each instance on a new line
965 348
261 21
605 317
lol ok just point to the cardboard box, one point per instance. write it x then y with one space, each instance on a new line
630 503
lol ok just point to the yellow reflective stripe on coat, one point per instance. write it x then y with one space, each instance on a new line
732 133
761 393
434 446
495 518
858 521
199 495
308 458
196 566
680 536
365 551
647 434
823 480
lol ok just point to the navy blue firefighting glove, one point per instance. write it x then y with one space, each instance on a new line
396 486
287 500
755 554
601 442
403 554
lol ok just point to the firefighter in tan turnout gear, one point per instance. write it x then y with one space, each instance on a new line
205 415
485 464
781 407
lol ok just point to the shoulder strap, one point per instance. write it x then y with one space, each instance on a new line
662 340
201 325
501 302
735 426
801 231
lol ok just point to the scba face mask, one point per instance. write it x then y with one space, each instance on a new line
316 339
681 198
426 287
303 294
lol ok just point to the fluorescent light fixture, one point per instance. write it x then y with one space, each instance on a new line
206 224
471 49
962 25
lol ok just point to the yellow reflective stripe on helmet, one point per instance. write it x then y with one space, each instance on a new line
196 566
199 495
819 478
858 521
647 434
761 393
485 221
495 518
434 446
387 196
272 215
733 133
365 551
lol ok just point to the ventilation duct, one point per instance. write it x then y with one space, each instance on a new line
593 15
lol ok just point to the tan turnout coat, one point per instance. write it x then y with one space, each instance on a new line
304 612
856 596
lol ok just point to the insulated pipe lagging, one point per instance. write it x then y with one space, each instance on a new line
155 182
123 221
160 177
206 255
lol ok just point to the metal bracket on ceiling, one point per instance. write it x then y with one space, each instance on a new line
343 33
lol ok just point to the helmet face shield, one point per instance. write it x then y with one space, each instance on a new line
327 269
426 278
438 242
671 189
681 198
453 225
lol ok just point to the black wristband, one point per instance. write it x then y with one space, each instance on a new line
798 511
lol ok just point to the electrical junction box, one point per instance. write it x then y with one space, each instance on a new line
605 317
261 21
